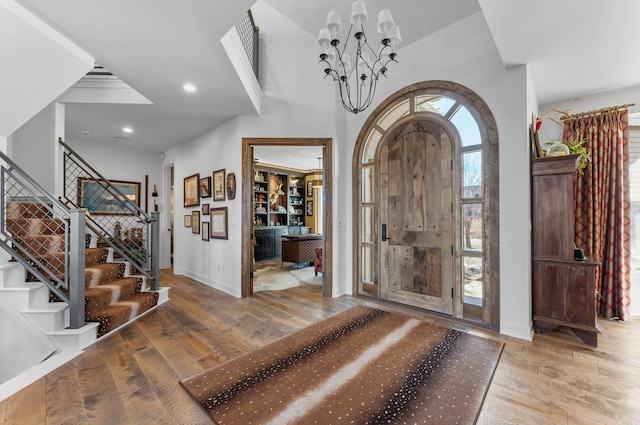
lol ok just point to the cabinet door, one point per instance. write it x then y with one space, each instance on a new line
565 292
259 248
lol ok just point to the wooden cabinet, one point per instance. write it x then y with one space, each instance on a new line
564 290
268 242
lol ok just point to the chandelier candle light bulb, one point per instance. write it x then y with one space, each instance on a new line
357 80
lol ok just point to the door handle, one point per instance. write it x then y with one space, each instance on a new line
384 234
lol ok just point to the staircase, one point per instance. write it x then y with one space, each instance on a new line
112 297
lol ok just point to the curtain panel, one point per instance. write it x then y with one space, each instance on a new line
603 205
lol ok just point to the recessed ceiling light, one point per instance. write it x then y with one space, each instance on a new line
127 129
189 87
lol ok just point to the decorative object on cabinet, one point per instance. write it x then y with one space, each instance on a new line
231 186
205 230
205 209
93 197
219 223
195 222
187 220
205 187
309 208
219 185
191 193
564 290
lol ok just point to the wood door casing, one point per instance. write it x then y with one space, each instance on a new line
416 205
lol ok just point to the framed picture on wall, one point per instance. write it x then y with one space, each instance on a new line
309 208
205 209
309 188
231 186
205 187
191 193
195 222
219 185
205 230
219 223
97 199
187 220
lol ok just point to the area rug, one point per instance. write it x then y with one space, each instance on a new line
360 366
276 278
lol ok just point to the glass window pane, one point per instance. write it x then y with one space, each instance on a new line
472 175
472 280
467 127
370 147
394 114
367 264
367 185
431 103
472 227
367 224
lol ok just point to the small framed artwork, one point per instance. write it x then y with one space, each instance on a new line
309 208
187 220
195 222
219 223
205 209
218 185
231 186
191 193
205 230
309 188
205 187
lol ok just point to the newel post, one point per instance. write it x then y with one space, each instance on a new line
155 250
76 268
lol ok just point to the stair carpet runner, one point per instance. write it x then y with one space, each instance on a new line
110 298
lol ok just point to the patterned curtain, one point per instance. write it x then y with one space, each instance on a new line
602 205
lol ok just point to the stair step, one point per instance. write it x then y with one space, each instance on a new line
17 210
103 273
94 256
50 317
118 314
75 339
30 295
12 275
102 296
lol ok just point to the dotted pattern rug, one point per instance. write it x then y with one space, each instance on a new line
360 366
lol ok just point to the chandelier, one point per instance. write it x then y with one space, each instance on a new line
357 80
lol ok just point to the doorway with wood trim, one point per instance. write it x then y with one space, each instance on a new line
248 205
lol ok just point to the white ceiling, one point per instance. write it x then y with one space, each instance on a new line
573 47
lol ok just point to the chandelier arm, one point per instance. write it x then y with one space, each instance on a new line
349 107
372 90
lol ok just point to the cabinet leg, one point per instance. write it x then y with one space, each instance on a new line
588 337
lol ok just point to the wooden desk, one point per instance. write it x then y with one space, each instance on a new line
300 248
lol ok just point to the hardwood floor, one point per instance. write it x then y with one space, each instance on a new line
131 376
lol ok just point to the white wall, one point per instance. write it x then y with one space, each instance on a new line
34 145
24 86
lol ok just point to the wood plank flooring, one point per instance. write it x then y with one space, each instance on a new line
132 376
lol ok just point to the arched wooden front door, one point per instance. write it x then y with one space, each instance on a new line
416 215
